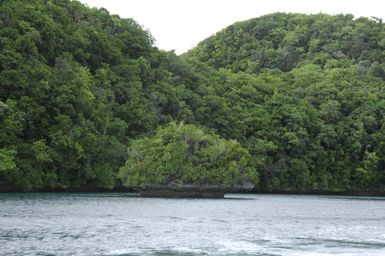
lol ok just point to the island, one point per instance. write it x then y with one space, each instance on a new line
183 160
304 94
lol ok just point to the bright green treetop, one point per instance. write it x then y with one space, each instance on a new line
185 154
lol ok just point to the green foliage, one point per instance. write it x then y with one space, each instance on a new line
285 40
185 154
303 94
7 162
76 84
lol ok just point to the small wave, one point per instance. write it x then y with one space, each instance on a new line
174 218
181 251
220 220
239 247
342 243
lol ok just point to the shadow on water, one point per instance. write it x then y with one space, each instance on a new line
65 195
235 197
341 243
229 196
226 198
71 194
353 198
317 197
170 252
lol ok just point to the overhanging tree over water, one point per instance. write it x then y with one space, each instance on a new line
181 154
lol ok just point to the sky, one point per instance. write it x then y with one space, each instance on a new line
181 24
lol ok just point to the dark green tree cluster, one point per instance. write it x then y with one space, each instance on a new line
304 94
181 154
284 41
75 84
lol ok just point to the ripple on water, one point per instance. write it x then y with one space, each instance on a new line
120 224
338 243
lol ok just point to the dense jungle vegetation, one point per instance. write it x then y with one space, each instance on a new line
182 154
304 95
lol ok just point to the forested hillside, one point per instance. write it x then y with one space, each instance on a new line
76 84
304 94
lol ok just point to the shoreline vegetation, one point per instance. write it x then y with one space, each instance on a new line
285 102
186 161
4 189
131 190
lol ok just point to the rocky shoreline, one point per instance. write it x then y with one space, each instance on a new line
174 190
122 189
169 193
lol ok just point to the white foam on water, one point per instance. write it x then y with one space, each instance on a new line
154 251
358 253
268 225
288 248
232 246
190 250
123 251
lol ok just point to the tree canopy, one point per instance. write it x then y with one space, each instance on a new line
181 154
76 84
303 94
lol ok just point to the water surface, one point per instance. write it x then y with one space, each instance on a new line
125 224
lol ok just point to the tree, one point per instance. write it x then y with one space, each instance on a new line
186 154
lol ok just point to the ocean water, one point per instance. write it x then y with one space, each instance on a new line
125 224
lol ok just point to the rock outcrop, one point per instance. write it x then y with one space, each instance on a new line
173 190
